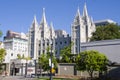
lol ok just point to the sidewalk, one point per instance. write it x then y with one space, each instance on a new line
15 78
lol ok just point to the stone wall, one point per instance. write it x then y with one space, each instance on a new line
111 48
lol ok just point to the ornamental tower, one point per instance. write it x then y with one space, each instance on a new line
82 29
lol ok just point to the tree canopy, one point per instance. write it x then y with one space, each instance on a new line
2 55
1 33
110 31
91 61
66 56
44 60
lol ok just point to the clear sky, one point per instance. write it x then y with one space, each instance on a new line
17 15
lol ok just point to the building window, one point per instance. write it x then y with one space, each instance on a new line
65 42
39 52
60 42
11 54
56 43
75 27
43 51
42 33
47 43
39 44
56 52
43 44
76 49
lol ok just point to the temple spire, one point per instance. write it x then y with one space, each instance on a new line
52 33
35 20
78 12
85 13
77 17
43 17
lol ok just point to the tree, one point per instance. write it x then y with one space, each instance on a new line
44 60
23 56
91 61
2 55
19 56
66 55
110 31
1 33
26 58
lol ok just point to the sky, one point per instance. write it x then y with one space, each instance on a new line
17 15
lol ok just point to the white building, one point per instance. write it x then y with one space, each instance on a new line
42 36
14 44
104 22
82 29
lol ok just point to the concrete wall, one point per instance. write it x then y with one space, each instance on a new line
111 48
66 69
85 74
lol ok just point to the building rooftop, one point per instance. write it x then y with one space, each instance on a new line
104 22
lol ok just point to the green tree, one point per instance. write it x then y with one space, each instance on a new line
110 31
44 60
23 56
66 55
1 33
27 58
2 55
91 61
19 56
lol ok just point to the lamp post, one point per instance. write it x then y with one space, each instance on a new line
51 60
26 67
13 69
22 69
36 62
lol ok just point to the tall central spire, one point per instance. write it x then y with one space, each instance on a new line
85 13
43 17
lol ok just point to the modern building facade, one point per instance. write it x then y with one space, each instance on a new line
14 44
104 22
81 29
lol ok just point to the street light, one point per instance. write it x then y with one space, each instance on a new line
26 67
36 62
13 68
51 60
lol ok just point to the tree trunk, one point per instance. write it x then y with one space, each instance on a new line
91 75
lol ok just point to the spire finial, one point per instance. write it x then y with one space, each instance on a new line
51 24
43 10
34 17
35 20
78 11
85 13
43 17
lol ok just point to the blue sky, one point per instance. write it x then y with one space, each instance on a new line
17 15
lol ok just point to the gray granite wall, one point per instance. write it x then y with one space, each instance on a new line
111 48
